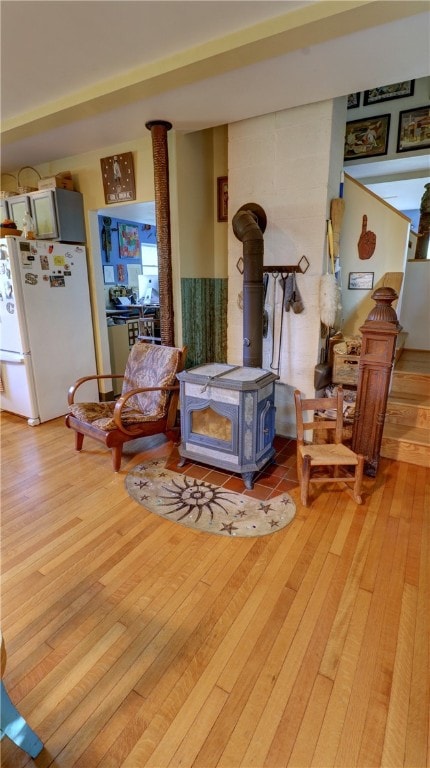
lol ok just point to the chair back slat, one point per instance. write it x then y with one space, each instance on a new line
322 404
332 460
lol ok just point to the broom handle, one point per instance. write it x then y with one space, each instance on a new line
330 244
337 209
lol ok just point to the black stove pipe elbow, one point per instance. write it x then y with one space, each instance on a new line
249 224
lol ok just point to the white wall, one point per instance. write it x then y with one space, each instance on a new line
288 162
194 169
388 261
415 312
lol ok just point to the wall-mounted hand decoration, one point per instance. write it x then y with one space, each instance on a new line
366 241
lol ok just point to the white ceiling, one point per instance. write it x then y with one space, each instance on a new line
82 75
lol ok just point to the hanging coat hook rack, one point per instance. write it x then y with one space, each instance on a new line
301 267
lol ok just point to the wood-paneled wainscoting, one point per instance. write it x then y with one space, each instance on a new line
133 641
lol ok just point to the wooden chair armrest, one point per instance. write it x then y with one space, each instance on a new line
74 387
121 402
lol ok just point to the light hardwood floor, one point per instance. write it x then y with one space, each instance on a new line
414 360
133 641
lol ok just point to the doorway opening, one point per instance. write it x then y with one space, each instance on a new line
112 318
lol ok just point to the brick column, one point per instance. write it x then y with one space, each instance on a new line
159 130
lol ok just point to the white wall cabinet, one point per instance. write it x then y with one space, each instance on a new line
18 206
4 210
58 214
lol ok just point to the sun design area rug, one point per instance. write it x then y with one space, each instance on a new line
203 506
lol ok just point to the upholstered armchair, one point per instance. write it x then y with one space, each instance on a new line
147 405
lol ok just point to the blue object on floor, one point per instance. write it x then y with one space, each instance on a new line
15 727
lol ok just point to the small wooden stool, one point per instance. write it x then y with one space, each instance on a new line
12 724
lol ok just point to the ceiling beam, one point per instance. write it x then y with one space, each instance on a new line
299 29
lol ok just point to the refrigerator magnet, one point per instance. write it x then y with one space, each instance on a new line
56 281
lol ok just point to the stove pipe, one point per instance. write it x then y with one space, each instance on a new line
249 224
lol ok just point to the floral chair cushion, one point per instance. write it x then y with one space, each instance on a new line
101 415
148 365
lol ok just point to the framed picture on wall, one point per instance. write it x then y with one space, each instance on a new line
108 274
129 243
118 178
367 137
222 198
414 129
388 92
353 100
360 281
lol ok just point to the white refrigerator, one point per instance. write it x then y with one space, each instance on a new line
46 330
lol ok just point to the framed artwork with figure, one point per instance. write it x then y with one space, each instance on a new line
129 242
367 137
118 178
388 92
353 100
414 129
222 198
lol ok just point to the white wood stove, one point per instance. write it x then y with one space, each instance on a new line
228 417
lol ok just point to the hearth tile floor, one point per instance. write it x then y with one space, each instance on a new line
278 477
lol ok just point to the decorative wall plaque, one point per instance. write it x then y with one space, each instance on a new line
118 178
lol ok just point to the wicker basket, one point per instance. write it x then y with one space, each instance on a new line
22 189
345 366
5 193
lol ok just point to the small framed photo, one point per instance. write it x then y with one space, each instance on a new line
367 137
108 274
389 92
360 281
414 129
353 100
222 198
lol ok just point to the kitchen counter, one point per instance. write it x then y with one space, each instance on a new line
132 311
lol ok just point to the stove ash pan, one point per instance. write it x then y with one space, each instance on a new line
228 417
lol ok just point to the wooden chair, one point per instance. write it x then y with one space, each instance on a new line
12 724
147 405
333 455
